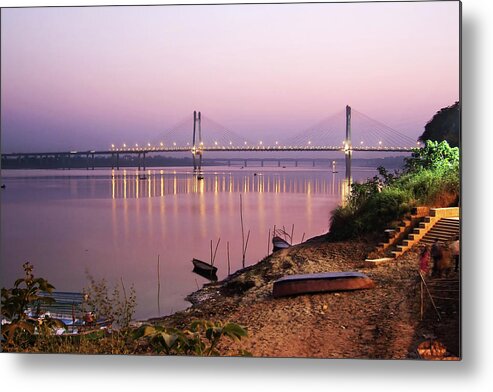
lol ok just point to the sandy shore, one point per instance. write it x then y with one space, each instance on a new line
383 322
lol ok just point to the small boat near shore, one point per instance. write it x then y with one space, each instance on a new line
204 269
322 282
278 243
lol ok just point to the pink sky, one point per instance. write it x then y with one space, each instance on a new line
80 78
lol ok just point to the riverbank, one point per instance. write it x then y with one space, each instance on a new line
383 322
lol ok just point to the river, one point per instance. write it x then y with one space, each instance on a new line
114 224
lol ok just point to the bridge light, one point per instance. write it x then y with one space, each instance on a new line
124 145
380 142
161 144
174 143
215 143
230 143
260 142
361 142
245 143
148 144
309 142
112 146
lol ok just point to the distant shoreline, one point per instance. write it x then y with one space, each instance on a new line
394 162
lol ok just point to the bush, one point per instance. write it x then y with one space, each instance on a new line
431 178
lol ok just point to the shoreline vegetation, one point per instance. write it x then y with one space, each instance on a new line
239 315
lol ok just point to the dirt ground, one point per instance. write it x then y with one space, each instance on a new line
383 322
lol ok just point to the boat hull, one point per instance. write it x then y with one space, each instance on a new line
278 243
204 269
324 282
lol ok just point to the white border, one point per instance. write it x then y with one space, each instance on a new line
83 373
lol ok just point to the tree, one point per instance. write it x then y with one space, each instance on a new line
432 156
445 125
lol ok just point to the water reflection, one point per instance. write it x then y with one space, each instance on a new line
120 221
161 183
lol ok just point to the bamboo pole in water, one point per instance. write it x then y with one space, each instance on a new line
158 288
242 232
212 261
229 268
245 250
215 251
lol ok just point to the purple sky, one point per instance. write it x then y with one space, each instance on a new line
83 78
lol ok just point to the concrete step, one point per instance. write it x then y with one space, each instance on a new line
409 243
448 225
430 238
443 231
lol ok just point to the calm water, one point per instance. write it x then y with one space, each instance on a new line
67 222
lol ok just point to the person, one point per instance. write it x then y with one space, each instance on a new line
436 250
424 261
89 318
455 249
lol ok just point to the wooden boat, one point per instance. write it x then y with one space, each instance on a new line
315 283
278 243
204 268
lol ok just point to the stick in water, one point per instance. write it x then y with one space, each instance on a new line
268 243
242 231
215 251
246 246
158 288
229 269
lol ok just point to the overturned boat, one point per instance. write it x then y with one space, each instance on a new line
278 243
322 282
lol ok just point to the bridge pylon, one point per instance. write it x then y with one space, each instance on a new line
197 150
348 147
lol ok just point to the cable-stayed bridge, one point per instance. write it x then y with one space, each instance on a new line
346 131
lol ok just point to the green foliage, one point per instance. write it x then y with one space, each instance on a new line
115 305
445 125
27 334
434 155
201 339
431 177
16 303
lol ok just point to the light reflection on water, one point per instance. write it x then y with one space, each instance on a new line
158 184
115 224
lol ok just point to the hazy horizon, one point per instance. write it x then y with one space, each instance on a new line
83 78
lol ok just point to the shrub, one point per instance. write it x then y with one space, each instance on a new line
431 177
201 339
114 305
